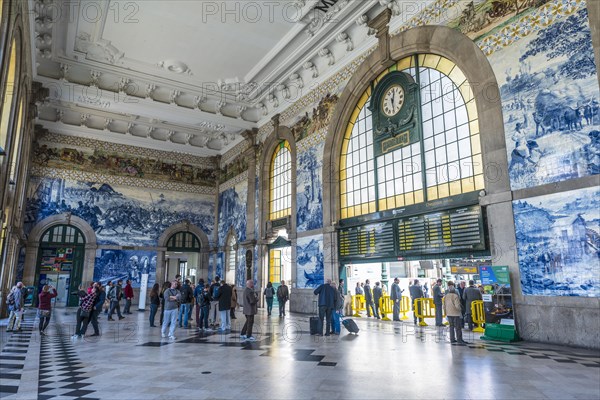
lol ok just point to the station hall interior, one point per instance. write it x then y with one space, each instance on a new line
382 145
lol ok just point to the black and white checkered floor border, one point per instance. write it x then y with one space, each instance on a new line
13 355
61 373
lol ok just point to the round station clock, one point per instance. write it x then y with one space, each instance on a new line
392 101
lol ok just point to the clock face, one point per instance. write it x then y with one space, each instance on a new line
392 101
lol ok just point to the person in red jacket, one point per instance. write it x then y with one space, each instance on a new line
45 307
128 297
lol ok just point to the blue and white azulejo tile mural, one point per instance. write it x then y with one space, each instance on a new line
550 100
240 272
219 271
558 243
120 215
112 265
232 212
309 188
309 262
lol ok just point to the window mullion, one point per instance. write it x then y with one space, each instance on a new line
422 141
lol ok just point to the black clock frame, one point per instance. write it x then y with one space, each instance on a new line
406 122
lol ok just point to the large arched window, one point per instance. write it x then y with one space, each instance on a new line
280 184
445 162
8 96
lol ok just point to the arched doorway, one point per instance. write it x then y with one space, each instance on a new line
280 263
183 256
60 262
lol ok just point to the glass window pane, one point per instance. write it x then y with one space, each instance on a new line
426 112
440 140
431 177
454 171
463 131
466 167
464 147
429 159
442 174
428 144
451 136
461 115
449 119
452 151
440 155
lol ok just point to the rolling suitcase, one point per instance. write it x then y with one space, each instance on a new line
314 325
350 325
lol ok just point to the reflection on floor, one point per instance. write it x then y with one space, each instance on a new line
385 361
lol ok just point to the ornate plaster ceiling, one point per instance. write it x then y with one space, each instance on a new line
187 76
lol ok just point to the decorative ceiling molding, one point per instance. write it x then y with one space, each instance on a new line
74 59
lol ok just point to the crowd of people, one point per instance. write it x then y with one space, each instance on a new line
215 303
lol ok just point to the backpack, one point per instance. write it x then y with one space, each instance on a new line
204 299
10 299
111 293
215 292
185 298
269 292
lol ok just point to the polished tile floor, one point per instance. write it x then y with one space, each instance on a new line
385 361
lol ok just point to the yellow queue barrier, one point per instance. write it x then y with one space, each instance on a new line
424 308
404 307
358 304
478 315
385 307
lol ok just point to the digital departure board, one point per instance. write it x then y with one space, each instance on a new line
449 231
367 241
446 231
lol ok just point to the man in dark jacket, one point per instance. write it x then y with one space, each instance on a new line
326 304
115 294
436 290
416 292
461 290
470 294
377 295
224 298
283 295
250 310
369 299
187 296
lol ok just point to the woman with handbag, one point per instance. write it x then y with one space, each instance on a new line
45 307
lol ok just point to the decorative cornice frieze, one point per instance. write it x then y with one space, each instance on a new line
243 177
328 55
79 176
343 37
204 162
231 154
